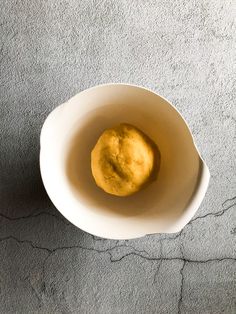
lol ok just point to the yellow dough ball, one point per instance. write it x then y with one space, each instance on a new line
124 160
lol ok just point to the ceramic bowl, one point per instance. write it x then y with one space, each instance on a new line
71 131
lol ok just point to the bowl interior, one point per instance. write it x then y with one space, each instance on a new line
73 130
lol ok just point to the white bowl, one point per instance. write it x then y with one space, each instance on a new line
71 131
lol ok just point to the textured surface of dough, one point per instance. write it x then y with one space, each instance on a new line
124 160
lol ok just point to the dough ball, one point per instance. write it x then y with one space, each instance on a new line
124 160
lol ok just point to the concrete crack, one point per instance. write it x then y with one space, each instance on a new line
159 265
108 251
228 200
174 259
181 287
43 213
219 213
95 238
26 242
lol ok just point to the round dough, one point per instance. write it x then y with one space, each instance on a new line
124 160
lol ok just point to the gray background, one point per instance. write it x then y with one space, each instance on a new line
50 50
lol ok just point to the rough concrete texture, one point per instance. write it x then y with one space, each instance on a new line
49 51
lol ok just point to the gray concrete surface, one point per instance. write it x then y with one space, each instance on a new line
49 51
